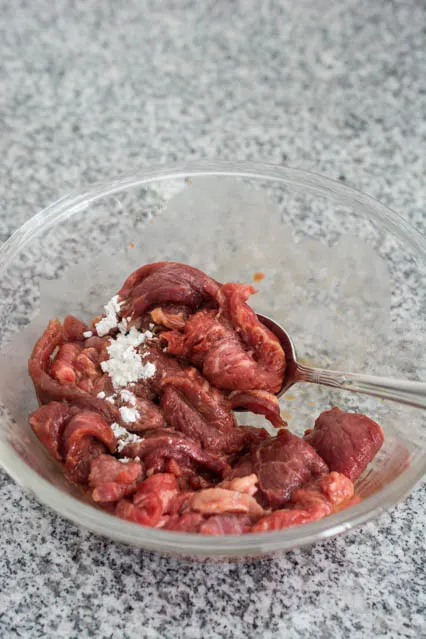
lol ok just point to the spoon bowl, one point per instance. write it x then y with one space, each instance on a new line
412 393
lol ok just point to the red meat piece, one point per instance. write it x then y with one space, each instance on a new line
111 480
266 347
281 519
206 400
203 332
74 329
322 495
242 468
346 441
150 418
254 434
188 522
110 492
319 498
88 424
226 525
99 384
86 436
87 362
166 367
187 478
235 350
284 463
149 515
259 402
100 344
179 413
49 389
165 282
180 502
165 443
164 485
63 366
191 405
48 423
77 463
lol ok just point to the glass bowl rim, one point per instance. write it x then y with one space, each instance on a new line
185 543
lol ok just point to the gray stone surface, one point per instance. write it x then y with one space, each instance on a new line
89 90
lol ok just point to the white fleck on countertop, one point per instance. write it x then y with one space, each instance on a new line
91 89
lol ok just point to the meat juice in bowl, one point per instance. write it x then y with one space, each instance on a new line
235 257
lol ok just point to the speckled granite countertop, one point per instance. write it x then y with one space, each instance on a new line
90 89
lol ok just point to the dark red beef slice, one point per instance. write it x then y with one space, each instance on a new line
165 443
88 424
259 402
150 416
86 436
166 367
78 462
268 359
167 282
209 402
49 389
242 467
48 423
284 463
179 413
74 329
181 416
346 441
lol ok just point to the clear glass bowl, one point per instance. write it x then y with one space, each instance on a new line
342 272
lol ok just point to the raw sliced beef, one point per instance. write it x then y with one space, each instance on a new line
283 464
111 479
182 416
74 329
152 436
317 499
49 389
86 436
346 441
160 445
63 366
233 348
259 402
188 522
165 282
48 423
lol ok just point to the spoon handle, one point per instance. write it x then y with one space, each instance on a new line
405 392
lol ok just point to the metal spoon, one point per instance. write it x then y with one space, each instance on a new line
405 392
